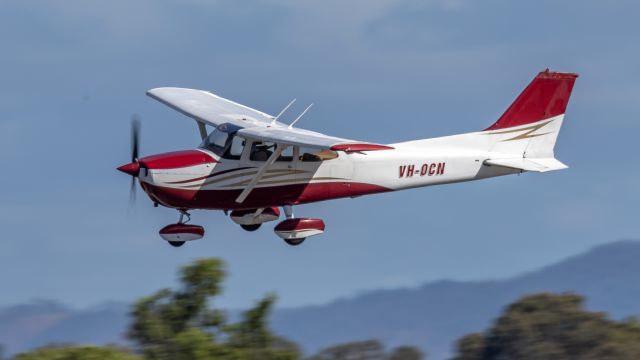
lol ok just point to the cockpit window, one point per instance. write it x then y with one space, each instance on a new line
221 139
235 150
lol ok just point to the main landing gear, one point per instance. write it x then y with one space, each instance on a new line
292 230
179 233
295 230
252 227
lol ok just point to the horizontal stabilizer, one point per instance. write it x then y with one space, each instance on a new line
528 164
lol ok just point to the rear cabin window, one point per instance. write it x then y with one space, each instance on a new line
261 151
287 154
312 154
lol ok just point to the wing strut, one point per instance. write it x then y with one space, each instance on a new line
203 129
243 195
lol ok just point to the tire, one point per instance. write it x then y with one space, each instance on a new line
253 227
176 243
294 242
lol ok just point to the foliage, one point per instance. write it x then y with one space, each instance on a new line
406 353
76 353
367 350
549 326
180 325
358 350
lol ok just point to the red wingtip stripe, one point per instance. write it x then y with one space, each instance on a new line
545 97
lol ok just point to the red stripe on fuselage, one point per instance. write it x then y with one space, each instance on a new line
259 197
176 159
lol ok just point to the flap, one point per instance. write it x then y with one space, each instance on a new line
301 137
293 136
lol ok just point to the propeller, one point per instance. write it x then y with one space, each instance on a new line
135 146
133 168
135 137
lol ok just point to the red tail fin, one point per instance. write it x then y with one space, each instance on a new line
545 97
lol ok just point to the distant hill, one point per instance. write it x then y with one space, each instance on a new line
432 316
436 314
40 323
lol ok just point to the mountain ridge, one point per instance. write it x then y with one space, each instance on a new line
431 316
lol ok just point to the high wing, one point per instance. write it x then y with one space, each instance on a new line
208 108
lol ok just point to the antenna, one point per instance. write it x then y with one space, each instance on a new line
282 112
301 115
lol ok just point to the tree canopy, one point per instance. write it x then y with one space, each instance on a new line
367 350
179 324
77 353
550 326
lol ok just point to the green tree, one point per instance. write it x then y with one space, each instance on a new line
252 336
357 350
406 353
549 326
76 353
180 325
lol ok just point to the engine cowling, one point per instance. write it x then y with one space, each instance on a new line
299 228
181 232
247 217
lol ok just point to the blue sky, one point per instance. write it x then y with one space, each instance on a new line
74 72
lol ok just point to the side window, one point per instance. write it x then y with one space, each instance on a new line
311 154
261 151
235 150
287 154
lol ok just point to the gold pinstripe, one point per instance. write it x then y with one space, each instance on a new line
273 182
527 132
282 172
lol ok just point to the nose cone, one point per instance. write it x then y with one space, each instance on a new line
132 168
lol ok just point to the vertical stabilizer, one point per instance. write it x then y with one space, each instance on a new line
545 97
530 126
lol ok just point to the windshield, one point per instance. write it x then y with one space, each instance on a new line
220 139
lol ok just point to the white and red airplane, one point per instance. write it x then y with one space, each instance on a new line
251 163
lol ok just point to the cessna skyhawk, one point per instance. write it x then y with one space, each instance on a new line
251 164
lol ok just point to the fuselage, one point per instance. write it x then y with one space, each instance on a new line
202 179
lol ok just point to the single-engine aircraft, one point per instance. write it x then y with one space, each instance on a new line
251 164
